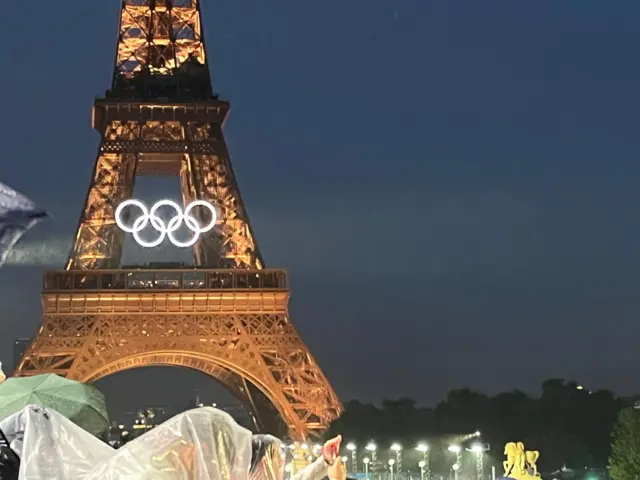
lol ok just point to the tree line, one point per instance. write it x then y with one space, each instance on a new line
569 425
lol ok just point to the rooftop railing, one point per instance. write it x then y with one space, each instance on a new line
169 279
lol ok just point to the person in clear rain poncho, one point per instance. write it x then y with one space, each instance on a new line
206 444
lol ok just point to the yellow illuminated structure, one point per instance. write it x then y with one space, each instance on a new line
520 463
301 457
228 315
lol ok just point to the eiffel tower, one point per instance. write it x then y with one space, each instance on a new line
228 315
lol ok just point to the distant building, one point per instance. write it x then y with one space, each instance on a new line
133 424
238 412
19 348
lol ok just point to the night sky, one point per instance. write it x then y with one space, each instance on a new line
453 186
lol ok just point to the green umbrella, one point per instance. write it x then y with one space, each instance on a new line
81 403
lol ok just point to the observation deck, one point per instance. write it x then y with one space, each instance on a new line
144 290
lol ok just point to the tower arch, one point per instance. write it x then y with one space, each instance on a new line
229 376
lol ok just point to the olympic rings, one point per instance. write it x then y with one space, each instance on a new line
149 216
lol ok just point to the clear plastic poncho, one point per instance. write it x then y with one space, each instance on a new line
50 446
200 444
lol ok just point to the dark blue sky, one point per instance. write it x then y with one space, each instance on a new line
452 185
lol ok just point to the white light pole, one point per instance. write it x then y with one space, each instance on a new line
421 464
354 457
372 448
478 449
366 461
426 464
391 464
397 448
456 466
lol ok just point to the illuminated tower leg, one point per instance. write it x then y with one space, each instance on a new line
99 241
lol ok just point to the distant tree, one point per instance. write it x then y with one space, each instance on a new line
463 411
568 424
624 462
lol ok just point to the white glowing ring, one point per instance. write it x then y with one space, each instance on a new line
149 216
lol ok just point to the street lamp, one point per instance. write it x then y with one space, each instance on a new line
396 447
456 466
423 448
421 464
391 463
372 447
478 449
366 461
354 459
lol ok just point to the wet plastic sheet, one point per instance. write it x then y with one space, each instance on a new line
200 444
50 446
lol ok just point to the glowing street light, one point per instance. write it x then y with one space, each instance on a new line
478 449
396 447
391 463
354 456
372 447
423 448
366 462
456 466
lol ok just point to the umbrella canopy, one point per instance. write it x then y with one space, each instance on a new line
81 403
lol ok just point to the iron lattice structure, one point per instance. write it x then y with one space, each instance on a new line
228 316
